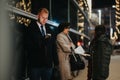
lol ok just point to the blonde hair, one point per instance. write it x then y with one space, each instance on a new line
43 10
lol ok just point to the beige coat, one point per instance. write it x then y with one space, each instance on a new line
64 51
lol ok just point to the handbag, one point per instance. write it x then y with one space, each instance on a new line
76 62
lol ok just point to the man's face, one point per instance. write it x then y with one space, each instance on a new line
42 18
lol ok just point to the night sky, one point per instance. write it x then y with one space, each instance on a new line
102 3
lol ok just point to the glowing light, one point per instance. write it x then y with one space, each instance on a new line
117 15
23 5
79 43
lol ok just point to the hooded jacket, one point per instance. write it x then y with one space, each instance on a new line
101 49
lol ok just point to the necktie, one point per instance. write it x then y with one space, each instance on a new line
42 30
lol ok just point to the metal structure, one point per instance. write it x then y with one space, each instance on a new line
85 16
32 16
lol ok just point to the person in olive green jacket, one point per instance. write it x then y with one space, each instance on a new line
101 50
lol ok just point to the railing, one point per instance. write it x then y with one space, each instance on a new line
32 16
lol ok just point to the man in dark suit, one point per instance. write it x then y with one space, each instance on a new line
40 47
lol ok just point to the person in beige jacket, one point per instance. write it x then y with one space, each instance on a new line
64 45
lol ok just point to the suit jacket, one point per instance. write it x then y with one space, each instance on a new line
40 50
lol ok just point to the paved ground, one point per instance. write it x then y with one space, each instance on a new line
114 70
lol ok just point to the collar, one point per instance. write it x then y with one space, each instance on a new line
40 26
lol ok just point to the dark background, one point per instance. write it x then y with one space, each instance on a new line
16 62
102 3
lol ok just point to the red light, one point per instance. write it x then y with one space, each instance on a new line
79 43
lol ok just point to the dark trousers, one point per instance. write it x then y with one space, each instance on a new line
99 79
89 74
41 74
